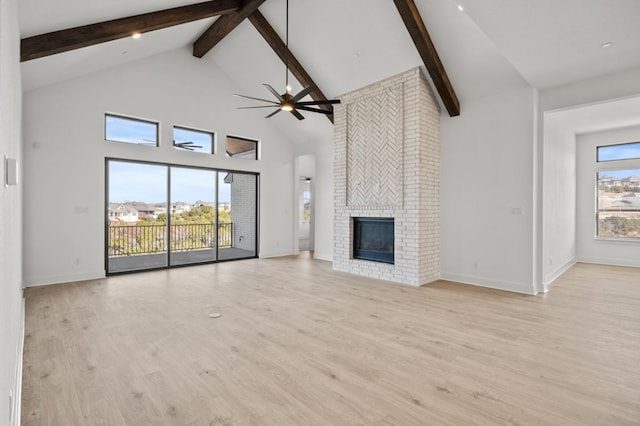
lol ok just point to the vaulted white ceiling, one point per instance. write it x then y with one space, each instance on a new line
490 47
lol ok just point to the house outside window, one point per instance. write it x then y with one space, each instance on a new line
618 192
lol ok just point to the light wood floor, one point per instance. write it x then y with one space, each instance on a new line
299 344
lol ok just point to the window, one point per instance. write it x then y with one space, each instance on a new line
130 130
192 140
181 215
625 151
237 147
618 214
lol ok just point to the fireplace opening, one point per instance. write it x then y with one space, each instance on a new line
373 239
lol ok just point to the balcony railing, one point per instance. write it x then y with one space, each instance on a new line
131 240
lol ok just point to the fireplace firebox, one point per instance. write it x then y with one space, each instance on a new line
373 239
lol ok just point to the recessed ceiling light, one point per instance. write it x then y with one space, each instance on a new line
607 44
460 8
136 35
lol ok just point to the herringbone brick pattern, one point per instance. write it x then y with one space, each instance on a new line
375 150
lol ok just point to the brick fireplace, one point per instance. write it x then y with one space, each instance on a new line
387 165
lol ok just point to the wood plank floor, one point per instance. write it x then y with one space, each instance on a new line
300 344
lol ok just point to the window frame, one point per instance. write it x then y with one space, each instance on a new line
602 172
135 119
598 160
256 157
195 130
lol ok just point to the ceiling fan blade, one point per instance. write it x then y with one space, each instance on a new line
327 102
256 99
273 91
273 113
321 111
261 106
297 114
304 92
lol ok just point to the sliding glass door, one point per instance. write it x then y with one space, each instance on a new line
192 216
237 212
136 216
161 215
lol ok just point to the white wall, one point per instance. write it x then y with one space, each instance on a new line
558 198
588 248
607 87
487 192
11 307
65 152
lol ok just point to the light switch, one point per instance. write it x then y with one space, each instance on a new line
10 171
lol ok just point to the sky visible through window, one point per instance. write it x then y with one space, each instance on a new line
202 141
618 174
147 183
122 129
619 152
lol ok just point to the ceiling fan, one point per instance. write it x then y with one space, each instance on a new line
186 145
286 101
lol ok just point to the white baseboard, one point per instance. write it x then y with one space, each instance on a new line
524 288
323 256
612 262
554 275
276 254
59 279
16 403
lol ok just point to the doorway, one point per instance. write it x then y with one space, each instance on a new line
305 226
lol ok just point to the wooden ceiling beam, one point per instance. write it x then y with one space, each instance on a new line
223 26
88 35
273 39
418 32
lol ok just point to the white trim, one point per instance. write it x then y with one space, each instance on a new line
276 254
612 262
328 257
60 279
17 388
554 275
524 288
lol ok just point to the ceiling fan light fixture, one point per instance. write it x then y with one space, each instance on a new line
288 102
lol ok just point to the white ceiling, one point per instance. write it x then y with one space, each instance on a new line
493 46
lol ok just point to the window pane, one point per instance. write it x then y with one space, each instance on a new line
625 151
192 140
241 148
130 130
237 215
619 204
137 212
193 215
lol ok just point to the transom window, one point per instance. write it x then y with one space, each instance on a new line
192 140
624 151
130 130
237 147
